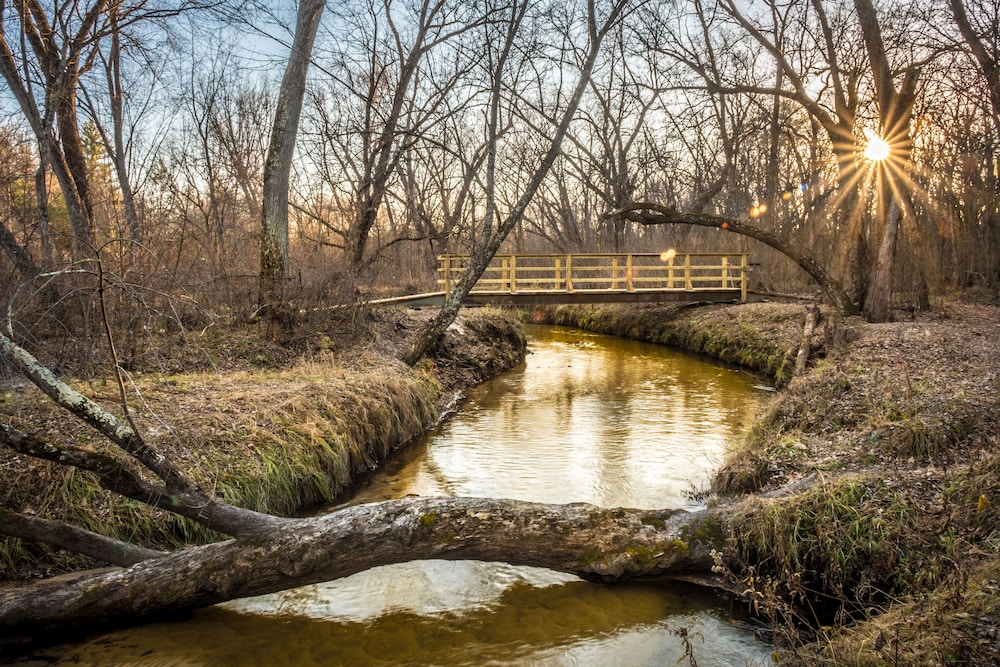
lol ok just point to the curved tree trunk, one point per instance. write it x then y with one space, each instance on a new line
597 544
646 213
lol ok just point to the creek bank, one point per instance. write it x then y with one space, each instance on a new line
763 337
870 485
274 437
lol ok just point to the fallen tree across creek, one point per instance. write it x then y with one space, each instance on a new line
605 545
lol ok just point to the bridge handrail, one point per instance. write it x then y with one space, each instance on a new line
609 272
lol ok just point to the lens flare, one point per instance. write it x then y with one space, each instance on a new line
668 254
877 149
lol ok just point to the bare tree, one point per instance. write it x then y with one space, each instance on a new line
277 168
50 53
610 136
819 67
895 106
978 29
16 214
114 141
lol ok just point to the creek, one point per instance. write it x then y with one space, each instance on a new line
587 418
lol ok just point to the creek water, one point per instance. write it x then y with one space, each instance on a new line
586 418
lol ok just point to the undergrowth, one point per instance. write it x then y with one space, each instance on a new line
273 440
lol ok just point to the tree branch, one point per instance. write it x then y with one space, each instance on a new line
92 414
114 476
646 213
72 538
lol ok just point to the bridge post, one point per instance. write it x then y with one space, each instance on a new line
557 281
513 274
743 277
446 269
628 273
569 273
687 272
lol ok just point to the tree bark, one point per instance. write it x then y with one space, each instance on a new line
878 303
605 545
646 213
278 165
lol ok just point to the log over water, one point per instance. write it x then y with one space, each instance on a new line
596 544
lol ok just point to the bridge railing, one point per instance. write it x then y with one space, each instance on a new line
606 272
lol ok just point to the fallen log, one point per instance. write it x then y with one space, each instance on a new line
605 545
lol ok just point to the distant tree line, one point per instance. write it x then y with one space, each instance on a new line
136 136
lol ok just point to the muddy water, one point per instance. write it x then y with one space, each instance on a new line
587 418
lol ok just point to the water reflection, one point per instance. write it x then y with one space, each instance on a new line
587 418
570 623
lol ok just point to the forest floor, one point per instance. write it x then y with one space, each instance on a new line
871 482
873 479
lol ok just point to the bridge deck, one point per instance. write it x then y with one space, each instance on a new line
592 278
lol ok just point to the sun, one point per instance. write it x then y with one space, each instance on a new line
877 149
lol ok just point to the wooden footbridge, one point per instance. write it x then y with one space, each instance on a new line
592 278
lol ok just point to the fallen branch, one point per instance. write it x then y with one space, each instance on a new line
73 538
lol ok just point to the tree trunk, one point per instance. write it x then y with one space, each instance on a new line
878 299
895 112
113 75
278 165
605 545
485 252
75 162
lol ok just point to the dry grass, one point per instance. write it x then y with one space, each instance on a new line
274 439
900 428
